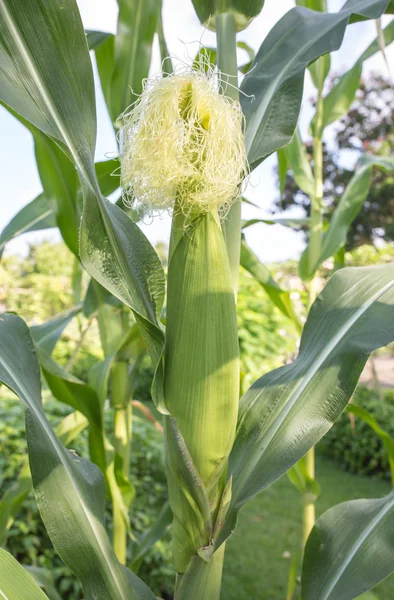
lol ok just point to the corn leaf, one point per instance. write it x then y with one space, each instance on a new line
132 51
347 210
46 89
299 163
388 36
350 550
67 430
69 490
15 582
280 298
338 101
386 438
47 334
36 215
287 411
273 88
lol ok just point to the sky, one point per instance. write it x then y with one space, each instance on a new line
184 33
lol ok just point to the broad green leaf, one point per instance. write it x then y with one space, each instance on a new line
299 163
338 101
347 210
75 393
280 298
373 48
69 489
36 215
47 78
288 410
47 89
105 58
15 582
350 550
67 430
132 52
44 578
48 334
60 182
272 90
386 438
118 255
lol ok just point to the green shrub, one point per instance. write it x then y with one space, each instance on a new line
353 445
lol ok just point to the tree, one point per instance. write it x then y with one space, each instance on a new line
368 127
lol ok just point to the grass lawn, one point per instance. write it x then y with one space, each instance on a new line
259 552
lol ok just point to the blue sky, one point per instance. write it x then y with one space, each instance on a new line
20 182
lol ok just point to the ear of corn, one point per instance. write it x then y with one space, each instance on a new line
201 380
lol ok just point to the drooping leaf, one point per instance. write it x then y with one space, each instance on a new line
48 334
347 210
45 87
67 430
350 550
273 88
280 298
60 182
287 411
69 489
388 36
15 582
36 215
118 255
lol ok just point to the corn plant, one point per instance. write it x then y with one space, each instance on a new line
220 452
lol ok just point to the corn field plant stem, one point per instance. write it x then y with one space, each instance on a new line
122 444
315 244
227 64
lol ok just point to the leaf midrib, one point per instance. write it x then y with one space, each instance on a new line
328 588
319 360
41 88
